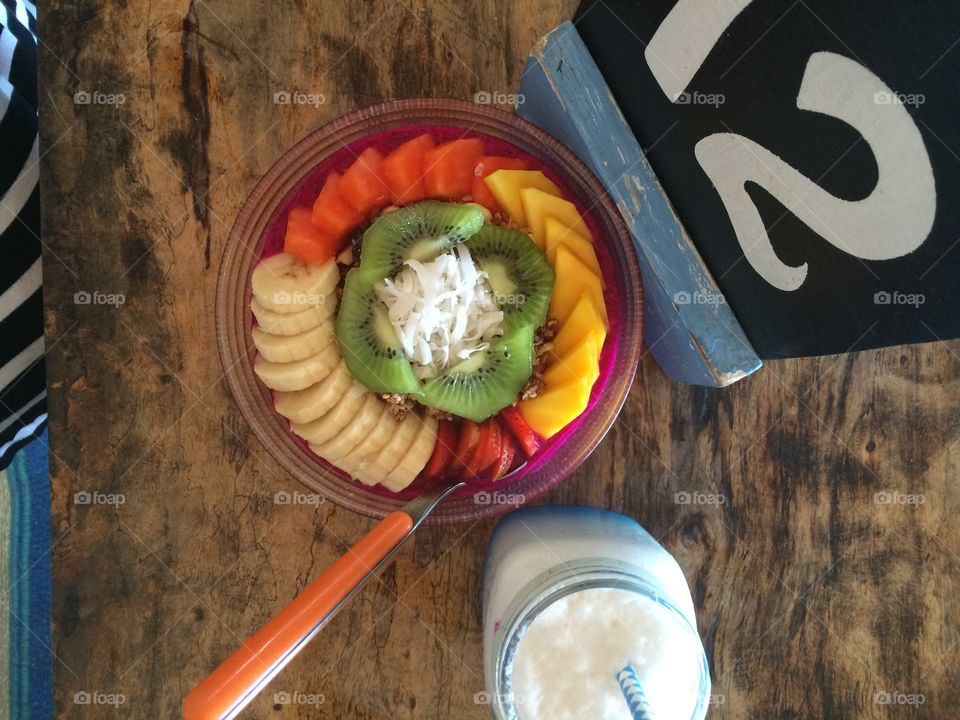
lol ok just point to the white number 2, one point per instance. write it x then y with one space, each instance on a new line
892 221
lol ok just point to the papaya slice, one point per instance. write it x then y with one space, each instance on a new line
363 185
403 169
331 213
306 241
448 168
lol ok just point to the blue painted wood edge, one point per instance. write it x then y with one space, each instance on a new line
564 93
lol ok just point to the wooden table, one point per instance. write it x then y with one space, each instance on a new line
812 596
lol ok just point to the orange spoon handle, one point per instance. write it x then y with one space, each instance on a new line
237 680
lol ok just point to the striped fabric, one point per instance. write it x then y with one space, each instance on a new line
26 672
22 386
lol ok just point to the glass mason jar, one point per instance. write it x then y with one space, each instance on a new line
539 561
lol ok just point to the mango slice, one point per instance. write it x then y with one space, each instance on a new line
551 411
574 279
584 321
538 205
582 362
555 232
507 184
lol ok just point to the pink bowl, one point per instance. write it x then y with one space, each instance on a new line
295 179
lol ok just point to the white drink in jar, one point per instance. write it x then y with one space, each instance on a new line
572 596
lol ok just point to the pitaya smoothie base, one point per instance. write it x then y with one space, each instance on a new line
307 191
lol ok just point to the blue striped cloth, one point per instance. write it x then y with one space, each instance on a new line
23 390
25 655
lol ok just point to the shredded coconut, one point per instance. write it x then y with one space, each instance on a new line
443 310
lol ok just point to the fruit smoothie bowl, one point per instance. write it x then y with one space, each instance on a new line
426 291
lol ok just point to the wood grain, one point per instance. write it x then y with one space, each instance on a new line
812 597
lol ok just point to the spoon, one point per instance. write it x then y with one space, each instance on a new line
239 678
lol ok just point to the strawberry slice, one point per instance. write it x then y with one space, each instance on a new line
448 168
522 432
331 213
442 450
519 458
363 184
466 444
503 463
403 169
479 192
306 241
488 448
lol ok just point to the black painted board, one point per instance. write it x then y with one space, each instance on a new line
833 127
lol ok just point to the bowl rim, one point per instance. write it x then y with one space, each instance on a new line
275 188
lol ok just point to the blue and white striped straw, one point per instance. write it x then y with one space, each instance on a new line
633 694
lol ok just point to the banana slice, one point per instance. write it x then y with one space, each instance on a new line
284 284
415 458
358 460
343 442
327 426
291 323
392 453
300 374
305 406
290 348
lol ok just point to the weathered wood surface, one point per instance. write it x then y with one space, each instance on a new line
812 597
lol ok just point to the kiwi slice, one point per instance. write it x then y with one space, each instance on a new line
518 272
369 342
487 381
421 231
